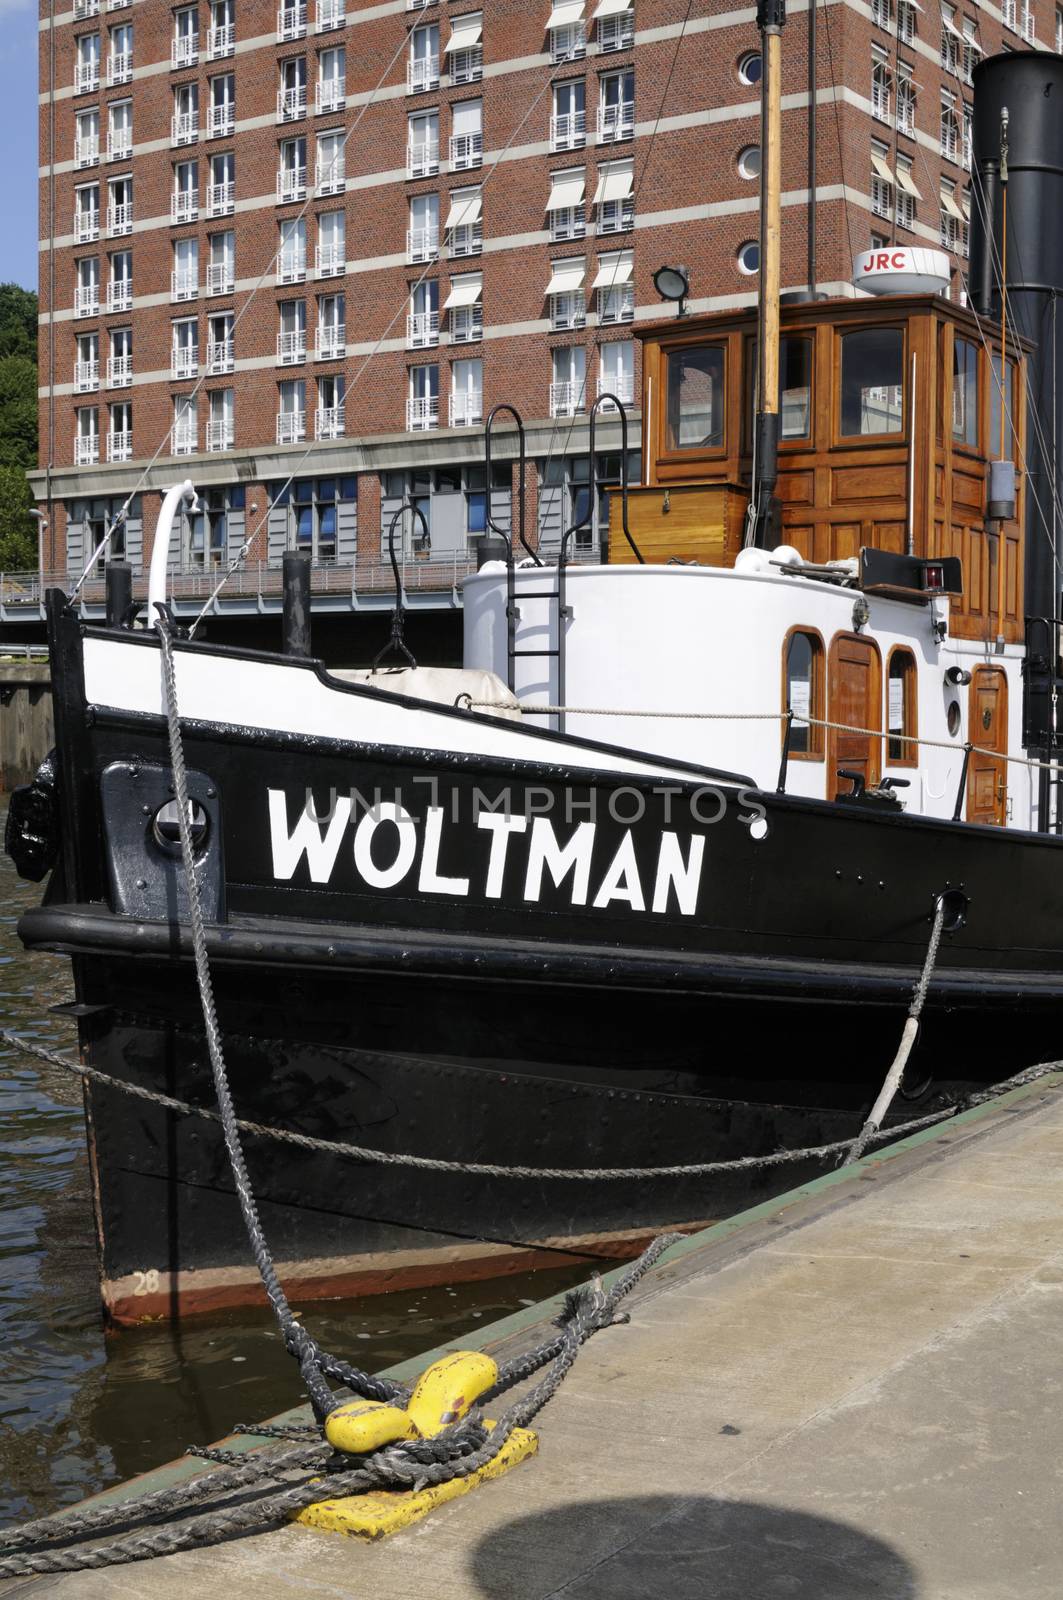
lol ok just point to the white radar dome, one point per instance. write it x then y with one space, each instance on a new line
902 269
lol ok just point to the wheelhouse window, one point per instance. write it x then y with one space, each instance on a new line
901 713
965 393
803 691
795 387
872 382
696 398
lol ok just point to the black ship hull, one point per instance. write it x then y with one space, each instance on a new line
618 968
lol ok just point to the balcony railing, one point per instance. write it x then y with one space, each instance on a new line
120 218
616 32
221 277
87 151
616 304
568 43
222 121
184 51
331 260
329 422
568 131
184 205
331 342
332 175
950 141
184 128
291 427
466 408
87 300
422 412
620 384
120 445
220 435
291 268
220 356
184 285
616 122
221 198
184 361
119 144
467 66
183 440
291 22
567 399
467 324
291 104
86 376
86 450
466 150
291 348
468 240
422 329
422 73
422 244
120 294
291 184
86 8
86 225
119 67
86 77
119 372
568 310
330 95
330 14
422 160
118 5
221 41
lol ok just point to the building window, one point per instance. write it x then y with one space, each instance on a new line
616 292
221 191
881 181
695 398
221 419
466 309
291 411
120 286
87 287
422 67
221 40
221 267
331 81
87 213
331 327
907 194
330 418
616 372
100 521
564 208
616 106
881 84
291 333
86 138
567 500
422 235
120 130
422 402
291 95
907 21
464 224
951 39
422 144
803 692
902 709
564 292
464 50
906 100
795 386
313 506
950 127
119 206
184 349
291 170
614 197
291 19
222 105
952 218
872 382
220 351
882 13
291 263
184 47
568 123
750 68
87 363
467 393
331 257
422 320
331 173
184 436
568 380
120 432
184 201
120 57
748 257
120 360
87 63
567 30
184 279
616 25
749 162
206 532
466 136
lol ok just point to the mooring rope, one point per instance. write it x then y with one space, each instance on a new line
892 1080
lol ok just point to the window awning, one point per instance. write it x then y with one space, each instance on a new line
564 13
465 33
906 182
966 205
913 3
881 168
464 211
610 273
464 292
950 27
610 8
565 276
565 193
948 204
614 184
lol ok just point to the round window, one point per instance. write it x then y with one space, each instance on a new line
952 717
749 67
749 257
749 161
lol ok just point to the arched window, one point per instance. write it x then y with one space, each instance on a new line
803 691
902 720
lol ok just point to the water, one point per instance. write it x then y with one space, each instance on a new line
81 1408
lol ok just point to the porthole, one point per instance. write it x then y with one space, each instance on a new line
749 162
749 257
166 829
750 67
952 717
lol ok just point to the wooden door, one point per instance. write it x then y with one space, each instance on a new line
854 696
987 775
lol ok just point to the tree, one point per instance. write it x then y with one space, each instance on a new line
18 322
18 412
18 532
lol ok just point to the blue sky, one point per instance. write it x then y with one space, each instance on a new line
18 127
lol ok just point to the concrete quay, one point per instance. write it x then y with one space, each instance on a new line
853 1392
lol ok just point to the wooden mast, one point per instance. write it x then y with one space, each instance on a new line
771 18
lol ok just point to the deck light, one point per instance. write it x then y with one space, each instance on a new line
673 283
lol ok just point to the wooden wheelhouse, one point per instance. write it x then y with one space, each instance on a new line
890 413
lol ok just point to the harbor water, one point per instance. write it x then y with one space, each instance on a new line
81 1408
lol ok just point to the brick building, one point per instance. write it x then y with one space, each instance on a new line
298 254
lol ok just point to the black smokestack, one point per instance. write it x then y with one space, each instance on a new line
1029 85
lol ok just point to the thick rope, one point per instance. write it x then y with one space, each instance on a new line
892 1081
476 1169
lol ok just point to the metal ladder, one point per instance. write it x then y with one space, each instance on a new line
558 594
